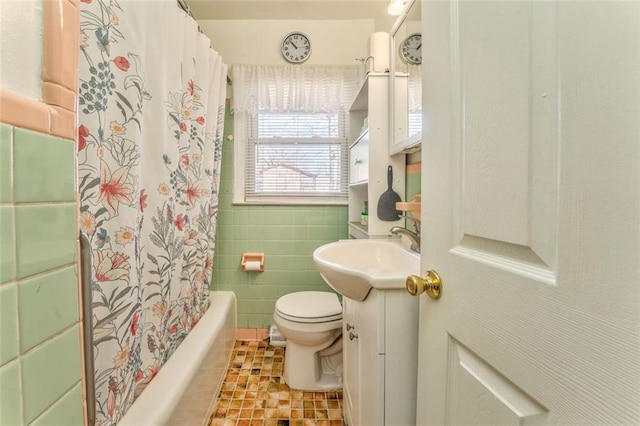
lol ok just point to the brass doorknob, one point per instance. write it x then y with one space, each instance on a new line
431 284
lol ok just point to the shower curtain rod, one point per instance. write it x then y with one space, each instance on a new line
182 4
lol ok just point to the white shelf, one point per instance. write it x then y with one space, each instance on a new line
364 133
408 145
359 184
361 100
371 147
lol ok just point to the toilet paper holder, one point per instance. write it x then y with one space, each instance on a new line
252 262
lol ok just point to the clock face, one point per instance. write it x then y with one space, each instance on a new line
411 49
296 47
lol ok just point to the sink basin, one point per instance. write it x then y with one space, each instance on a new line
354 267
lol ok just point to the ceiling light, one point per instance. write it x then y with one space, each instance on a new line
396 7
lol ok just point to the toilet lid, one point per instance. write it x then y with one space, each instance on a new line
309 306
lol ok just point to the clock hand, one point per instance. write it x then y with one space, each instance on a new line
294 45
419 46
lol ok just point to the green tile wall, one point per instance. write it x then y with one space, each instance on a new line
286 234
45 237
8 323
63 353
47 304
9 398
40 366
66 411
6 145
414 182
7 246
36 183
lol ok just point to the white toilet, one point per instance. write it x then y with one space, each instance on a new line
312 323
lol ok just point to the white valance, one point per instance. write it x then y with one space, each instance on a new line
303 88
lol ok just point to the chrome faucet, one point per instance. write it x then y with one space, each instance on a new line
413 236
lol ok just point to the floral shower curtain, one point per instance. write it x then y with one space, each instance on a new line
151 109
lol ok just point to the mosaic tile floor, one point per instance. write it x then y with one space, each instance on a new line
254 393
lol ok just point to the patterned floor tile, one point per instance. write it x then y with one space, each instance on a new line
254 393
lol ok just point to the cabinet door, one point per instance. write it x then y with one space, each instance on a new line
359 160
400 357
350 355
371 358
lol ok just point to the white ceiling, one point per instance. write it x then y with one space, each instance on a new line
289 9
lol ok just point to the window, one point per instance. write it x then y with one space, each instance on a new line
415 122
291 134
293 155
414 99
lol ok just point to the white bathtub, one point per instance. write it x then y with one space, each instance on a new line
187 385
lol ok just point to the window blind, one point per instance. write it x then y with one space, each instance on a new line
415 122
296 154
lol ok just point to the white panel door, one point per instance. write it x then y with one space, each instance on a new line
530 189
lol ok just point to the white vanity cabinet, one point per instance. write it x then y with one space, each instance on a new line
380 336
369 157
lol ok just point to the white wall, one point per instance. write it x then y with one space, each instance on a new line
21 47
333 42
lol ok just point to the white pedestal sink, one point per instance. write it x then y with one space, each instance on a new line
380 328
354 267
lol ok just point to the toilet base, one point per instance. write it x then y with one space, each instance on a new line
305 370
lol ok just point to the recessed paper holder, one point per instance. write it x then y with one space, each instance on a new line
252 262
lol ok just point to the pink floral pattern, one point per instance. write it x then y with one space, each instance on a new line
152 235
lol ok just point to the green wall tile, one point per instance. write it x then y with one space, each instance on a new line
8 324
6 194
44 167
323 233
45 237
240 216
225 201
47 305
7 248
271 232
56 364
240 232
331 217
66 411
315 216
243 321
285 217
287 235
300 246
413 184
300 217
10 394
239 247
300 233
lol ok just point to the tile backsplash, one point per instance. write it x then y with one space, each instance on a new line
40 368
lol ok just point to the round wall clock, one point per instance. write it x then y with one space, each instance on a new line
296 47
411 49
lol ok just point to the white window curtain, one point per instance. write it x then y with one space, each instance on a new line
291 132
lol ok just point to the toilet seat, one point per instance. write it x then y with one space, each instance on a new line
309 307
